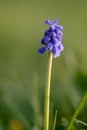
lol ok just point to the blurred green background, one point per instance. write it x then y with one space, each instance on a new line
23 70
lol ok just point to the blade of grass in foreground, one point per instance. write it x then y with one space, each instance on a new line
80 105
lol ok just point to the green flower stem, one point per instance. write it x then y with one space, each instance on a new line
80 105
47 92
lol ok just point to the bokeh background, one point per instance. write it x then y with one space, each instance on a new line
23 70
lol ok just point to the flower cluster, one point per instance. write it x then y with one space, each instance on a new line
52 39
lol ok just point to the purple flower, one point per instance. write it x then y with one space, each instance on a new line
51 23
42 50
49 46
55 52
52 34
60 47
52 38
55 41
47 32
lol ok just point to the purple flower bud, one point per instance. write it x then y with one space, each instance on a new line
42 40
60 47
56 30
52 34
59 27
55 52
55 21
49 46
47 32
58 37
46 39
48 22
54 41
42 50
60 33
52 28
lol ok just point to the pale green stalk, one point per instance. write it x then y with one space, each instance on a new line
55 120
47 92
80 105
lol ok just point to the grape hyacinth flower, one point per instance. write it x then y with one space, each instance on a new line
52 40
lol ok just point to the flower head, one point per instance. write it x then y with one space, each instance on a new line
52 38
